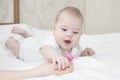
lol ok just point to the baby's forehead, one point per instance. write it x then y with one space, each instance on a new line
71 15
77 27
75 14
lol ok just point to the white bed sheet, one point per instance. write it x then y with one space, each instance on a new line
104 65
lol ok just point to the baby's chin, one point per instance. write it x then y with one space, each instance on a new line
66 47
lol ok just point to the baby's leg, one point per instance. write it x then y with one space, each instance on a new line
13 45
21 31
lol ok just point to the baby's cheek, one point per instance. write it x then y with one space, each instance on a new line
75 42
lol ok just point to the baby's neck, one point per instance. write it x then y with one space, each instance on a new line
64 52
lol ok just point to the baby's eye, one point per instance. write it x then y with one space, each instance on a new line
64 29
75 32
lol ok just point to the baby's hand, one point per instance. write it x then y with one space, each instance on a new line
61 62
87 52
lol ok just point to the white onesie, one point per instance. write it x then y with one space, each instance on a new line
30 48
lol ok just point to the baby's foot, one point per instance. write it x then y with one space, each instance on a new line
19 31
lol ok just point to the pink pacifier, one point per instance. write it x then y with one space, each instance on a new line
70 57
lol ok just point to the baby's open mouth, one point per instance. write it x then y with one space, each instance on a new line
67 41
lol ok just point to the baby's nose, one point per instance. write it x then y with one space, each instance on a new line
69 33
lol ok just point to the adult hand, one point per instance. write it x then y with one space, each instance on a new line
46 69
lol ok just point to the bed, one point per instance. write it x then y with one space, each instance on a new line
104 65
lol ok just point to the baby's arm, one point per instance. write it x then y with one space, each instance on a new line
87 52
53 57
48 52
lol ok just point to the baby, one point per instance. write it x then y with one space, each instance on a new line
64 40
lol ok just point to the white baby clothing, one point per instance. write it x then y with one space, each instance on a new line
30 48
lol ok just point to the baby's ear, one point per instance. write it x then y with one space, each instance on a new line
53 27
81 33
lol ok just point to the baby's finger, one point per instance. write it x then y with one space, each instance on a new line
54 62
66 62
59 64
63 64
91 52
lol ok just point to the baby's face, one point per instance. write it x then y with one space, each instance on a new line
67 31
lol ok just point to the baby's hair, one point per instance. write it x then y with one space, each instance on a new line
71 10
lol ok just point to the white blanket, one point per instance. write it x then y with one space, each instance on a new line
105 65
